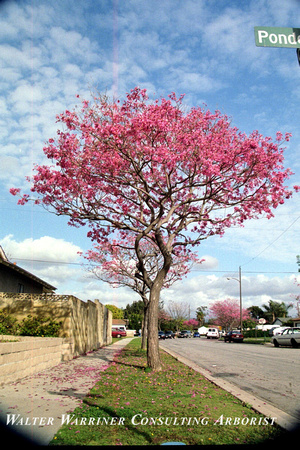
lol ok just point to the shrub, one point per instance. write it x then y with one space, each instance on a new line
255 333
39 326
30 326
8 324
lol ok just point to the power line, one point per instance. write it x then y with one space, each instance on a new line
48 262
276 239
192 270
246 271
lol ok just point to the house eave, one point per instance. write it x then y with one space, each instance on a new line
46 286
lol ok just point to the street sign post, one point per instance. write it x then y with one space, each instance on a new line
277 37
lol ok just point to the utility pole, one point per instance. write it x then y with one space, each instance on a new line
239 280
241 305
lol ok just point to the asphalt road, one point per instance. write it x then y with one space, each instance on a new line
272 374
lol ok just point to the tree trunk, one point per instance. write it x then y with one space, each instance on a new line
145 328
153 358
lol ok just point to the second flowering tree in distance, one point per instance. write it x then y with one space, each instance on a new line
227 313
158 172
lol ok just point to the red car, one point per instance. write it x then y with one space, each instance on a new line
234 336
118 333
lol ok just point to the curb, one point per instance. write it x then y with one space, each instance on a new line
283 419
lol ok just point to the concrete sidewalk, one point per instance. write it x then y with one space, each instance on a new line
35 404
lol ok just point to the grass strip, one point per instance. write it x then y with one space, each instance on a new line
131 405
259 341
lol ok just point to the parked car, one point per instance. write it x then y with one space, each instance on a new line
279 330
234 336
169 334
196 334
118 333
289 337
212 333
272 332
161 335
185 334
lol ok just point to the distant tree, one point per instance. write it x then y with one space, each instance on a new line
249 323
191 324
118 313
256 312
276 309
134 312
201 312
165 322
178 311
135 307
227 313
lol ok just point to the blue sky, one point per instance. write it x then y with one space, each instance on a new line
205 49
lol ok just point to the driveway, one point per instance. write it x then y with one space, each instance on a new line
269 373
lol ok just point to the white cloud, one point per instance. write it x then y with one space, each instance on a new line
270 240
210 262
119 297
279 12
11 166
44 257
45 248
203 290
195 81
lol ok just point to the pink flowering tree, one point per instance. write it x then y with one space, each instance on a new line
191 324
161 173
227 313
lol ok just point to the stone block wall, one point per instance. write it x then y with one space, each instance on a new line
86 325
21 356
89 325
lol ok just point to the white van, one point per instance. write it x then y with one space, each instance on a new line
213 333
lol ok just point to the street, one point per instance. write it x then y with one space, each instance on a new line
272 374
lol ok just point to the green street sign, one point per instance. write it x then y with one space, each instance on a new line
277 37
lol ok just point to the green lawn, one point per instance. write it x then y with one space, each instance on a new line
131 405
255 340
